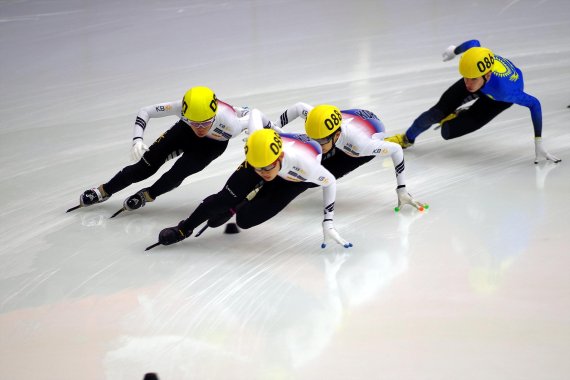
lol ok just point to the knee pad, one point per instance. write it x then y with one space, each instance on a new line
447 128
244 223
244 218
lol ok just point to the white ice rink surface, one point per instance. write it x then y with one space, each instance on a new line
475 288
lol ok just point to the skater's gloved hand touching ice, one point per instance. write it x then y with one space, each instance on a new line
331 234
540 152
404 198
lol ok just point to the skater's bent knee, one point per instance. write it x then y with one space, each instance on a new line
445 133
244 223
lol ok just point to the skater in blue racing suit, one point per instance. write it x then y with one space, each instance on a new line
495 84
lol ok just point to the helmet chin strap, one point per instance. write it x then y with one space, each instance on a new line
280 159
336 136
334 139
484 80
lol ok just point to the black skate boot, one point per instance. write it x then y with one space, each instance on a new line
137 200
92 196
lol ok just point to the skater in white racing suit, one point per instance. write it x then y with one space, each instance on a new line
201 135
349 139
277 169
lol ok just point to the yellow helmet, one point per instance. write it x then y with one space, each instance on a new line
476 62
322 121
199 104
263 147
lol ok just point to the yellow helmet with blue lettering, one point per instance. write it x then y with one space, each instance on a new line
476 62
